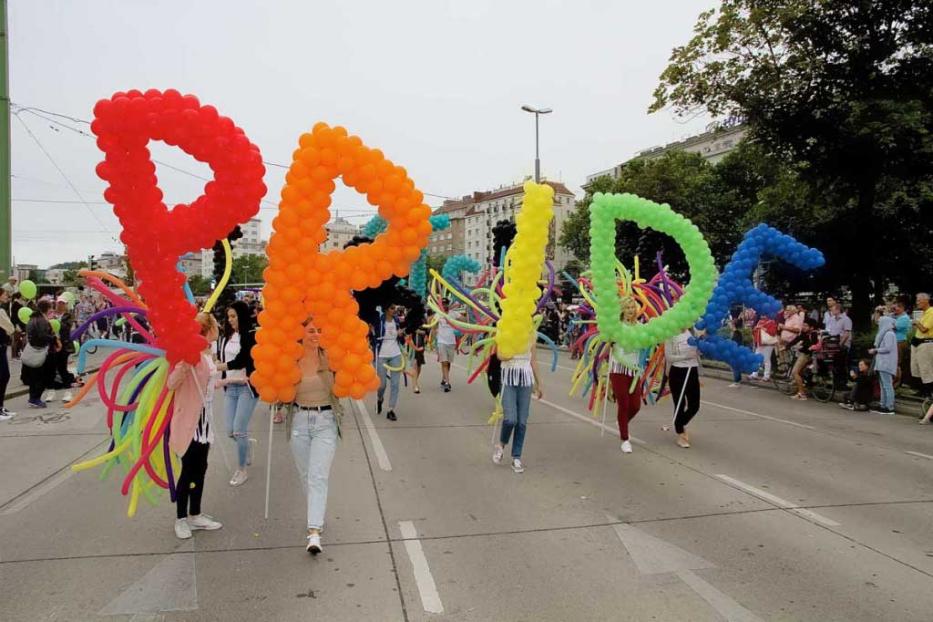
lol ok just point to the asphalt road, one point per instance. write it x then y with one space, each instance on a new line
780 511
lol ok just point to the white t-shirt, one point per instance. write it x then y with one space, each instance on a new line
231 351
445 333
389 346
204 433
679 352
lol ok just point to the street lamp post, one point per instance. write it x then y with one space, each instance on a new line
537 112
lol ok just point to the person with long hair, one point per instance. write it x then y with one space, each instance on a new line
807 338
6 338
315 431
682 366
624 371
192 431
388 359
39 337
239 395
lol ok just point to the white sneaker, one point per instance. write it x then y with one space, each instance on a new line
753 376
314 544
4 416
239 478
67 397
497 455
735 385
517 465
182 530
6 412
203 521
49 396
626 447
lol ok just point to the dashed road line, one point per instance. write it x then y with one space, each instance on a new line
919 455
760 416
430 599
783 503
382 458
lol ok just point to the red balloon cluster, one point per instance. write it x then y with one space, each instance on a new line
155 236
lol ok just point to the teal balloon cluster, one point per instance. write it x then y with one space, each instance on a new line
456 266
604 211
418 276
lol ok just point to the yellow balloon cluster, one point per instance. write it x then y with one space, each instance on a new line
524 262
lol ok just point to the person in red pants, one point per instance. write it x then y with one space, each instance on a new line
625 377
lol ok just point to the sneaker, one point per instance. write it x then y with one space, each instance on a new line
847 405
4 416
497 456
417 390
203 521
753 376
626 447
182 530
517 465
923 421
49 396
882 411
239 478
683 441
735 385
766 379
799 396
378 407
314 544
37 404
391 416
67 396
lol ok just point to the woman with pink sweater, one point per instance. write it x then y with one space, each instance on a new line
192 431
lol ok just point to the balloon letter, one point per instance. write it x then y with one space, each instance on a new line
736 286
301 282
156 237
604 211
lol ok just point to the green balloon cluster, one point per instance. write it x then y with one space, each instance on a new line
28 289
604 211
24 314
56 325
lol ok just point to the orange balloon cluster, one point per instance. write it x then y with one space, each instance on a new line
302 282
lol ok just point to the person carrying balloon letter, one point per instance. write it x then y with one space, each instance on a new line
315 429
624 375
520 379
389 364
192 431
682 366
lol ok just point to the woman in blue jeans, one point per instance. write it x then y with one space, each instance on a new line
885 351
239 396
388 359
519 381
315 430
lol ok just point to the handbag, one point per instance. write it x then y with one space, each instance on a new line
34 357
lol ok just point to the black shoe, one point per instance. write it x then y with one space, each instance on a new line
378 407
391 416
882 411
446 387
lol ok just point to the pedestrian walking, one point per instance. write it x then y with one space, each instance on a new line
239 395
625 369
315 430
192 431
446 340
682 365
419 340
388 359
520 380
921 346
40 341
7 330
885 353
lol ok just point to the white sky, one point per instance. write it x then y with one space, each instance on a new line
436 84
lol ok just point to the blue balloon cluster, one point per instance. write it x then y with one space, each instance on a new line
735 287
457 265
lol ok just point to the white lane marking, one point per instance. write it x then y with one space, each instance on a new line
34 494
784 503
652 555
920 455
382 458
760 416
577 415
430 599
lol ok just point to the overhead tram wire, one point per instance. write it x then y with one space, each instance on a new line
64 176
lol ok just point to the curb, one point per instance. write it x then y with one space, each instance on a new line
25 390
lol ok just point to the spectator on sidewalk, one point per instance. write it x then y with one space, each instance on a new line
807 338
19 335
860 395
11 286
765 337
901 332
885 352
39 336
790 328
736 324
60 377
6 337
837 324
921 346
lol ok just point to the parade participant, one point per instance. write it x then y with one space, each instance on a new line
682 366
6 337
419 341
807 338
40 343
446 346
519 381
192 431
388 359
921 346
885 352
239 396
625 368
315 430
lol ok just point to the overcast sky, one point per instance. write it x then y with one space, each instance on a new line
436 84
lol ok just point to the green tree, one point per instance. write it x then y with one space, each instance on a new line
842 89
248 269
200 286
70 277
436 262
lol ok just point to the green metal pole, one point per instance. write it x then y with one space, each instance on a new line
6 221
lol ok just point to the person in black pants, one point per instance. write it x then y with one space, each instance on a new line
6 334
39 335
682 362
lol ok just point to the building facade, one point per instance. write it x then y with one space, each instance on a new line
451 241
191 264
250 244
339 232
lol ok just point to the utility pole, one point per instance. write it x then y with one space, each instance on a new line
6 221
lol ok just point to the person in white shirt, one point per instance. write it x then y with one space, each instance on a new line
388 360
682 363
446 346
625 377
519 380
